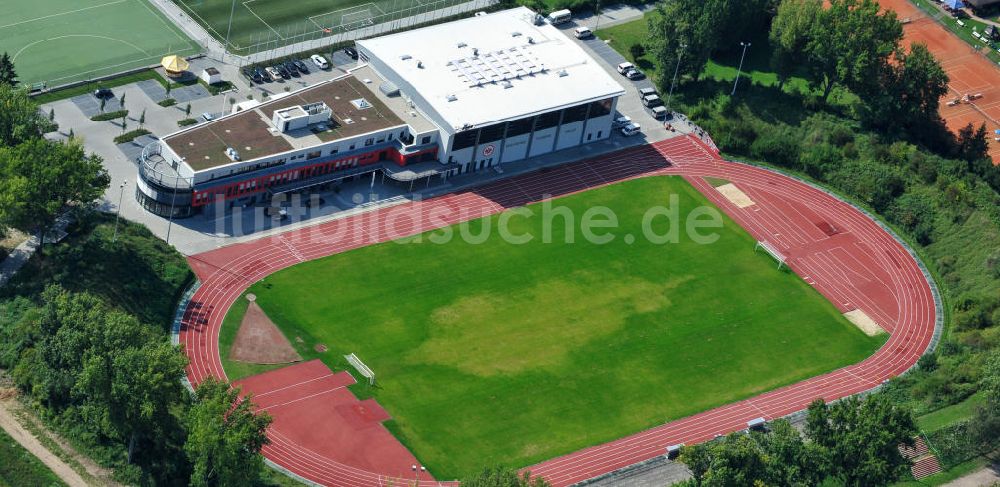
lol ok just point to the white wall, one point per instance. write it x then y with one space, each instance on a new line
515 148
569 135
542 141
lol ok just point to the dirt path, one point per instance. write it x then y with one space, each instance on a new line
13 427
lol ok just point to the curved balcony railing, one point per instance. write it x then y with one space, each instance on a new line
154 169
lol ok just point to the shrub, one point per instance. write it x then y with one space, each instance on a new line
169 102
637 50
928 362
185 122
131 135
778 146
104 117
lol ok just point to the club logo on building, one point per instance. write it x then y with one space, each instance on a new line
488 150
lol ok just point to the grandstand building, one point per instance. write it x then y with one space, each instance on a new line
421 106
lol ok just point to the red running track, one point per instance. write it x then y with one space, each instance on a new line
833 246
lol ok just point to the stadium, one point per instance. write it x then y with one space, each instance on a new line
387 354
445 398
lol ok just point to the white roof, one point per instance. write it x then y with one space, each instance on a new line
491 68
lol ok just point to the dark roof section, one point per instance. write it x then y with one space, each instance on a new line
203 147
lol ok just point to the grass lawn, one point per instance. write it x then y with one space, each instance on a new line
949 415
19 467
495 352
270 23
61 41
722 67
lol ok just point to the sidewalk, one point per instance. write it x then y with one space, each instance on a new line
20 255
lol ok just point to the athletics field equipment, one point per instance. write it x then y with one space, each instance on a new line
57 42
835 249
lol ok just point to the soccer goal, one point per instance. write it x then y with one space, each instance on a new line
361 368
772 251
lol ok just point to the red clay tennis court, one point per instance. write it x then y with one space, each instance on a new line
969 72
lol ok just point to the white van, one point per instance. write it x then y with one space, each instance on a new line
560 16
583 32
319 61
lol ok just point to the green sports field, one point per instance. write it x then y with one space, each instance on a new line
60 41
268 24
495 352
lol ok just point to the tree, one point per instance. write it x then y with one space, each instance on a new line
224 436
39 178
142 118
972 144
52 115
861 438
130 380
503 477
187 110
19 118
104 101
778 457
168 87
790 33
124 125
8 76
850 44
121 101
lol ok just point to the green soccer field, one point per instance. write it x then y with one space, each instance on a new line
495 352
61 41
268 24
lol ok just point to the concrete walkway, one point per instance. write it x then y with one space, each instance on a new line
988 476
22 253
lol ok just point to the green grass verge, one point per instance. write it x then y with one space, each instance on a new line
18 467
90 87
495 352
949 415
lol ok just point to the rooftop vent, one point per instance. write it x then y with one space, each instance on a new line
462 44
404 57
506 84
420 64
348 121
563 72
452 97
361 103
515 34
232 154
475 52
531 40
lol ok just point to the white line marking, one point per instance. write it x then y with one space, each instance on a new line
62 13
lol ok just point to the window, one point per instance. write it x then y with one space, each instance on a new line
547 120
600 108
520 127
492 133
380 140
313 155
574 114
464 140
352 147
369 141
425 140
334 151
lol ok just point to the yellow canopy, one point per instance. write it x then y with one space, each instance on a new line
174 64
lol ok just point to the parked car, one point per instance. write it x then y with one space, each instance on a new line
625 67
253 75
583 32
622 121
631 129
650 101
103 93
647 91
273 73
208 117
282 71
301 66
320 61
634 73
291 68
259 72
352 52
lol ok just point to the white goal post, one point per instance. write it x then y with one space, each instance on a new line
361 368
772 251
